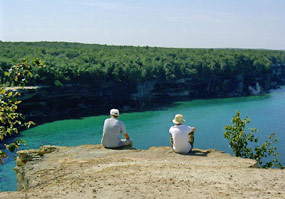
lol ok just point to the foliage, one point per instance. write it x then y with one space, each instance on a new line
96 65
10 119
239 141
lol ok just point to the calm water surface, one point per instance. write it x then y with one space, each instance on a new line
150 128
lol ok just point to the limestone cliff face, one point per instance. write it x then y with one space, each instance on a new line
42 104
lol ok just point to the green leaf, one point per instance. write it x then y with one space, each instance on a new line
6 73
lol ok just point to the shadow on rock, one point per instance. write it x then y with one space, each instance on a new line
197 152
123 148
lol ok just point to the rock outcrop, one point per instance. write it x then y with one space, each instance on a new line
24 181
91 171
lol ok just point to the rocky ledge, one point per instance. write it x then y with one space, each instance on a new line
91 171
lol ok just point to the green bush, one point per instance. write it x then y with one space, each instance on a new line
11 121
239 140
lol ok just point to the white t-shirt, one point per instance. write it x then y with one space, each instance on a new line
180 138
112 131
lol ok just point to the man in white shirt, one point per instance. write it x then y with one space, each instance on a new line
113 130
181 136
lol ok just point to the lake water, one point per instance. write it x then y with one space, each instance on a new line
150 128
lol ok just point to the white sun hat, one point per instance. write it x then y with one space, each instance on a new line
178 119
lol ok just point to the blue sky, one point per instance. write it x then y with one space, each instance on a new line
164 23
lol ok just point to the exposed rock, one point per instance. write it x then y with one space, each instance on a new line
278 71
143 95
23 181
91 171
255 91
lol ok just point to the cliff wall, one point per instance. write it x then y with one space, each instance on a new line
43 104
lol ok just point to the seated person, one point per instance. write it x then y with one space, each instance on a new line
112 131
181 136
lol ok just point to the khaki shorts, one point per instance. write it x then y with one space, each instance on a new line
191 139
125 142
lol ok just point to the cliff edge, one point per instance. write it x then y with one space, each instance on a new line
91 171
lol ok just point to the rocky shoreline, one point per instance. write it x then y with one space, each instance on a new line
91 171
43 104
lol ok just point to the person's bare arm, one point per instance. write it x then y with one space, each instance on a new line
191 137
123 130
126 136
171 141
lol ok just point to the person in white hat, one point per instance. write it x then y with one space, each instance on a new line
113 130
181 136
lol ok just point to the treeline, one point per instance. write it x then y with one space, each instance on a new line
94 65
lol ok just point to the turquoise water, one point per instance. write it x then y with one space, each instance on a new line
150 128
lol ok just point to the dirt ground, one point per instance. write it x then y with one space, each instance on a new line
91 171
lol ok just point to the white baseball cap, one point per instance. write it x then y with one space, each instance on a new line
114 112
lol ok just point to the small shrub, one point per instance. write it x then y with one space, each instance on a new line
239 140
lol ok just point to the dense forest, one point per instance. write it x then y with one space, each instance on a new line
87 79
94 65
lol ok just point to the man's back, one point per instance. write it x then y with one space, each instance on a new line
180 138
112 132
